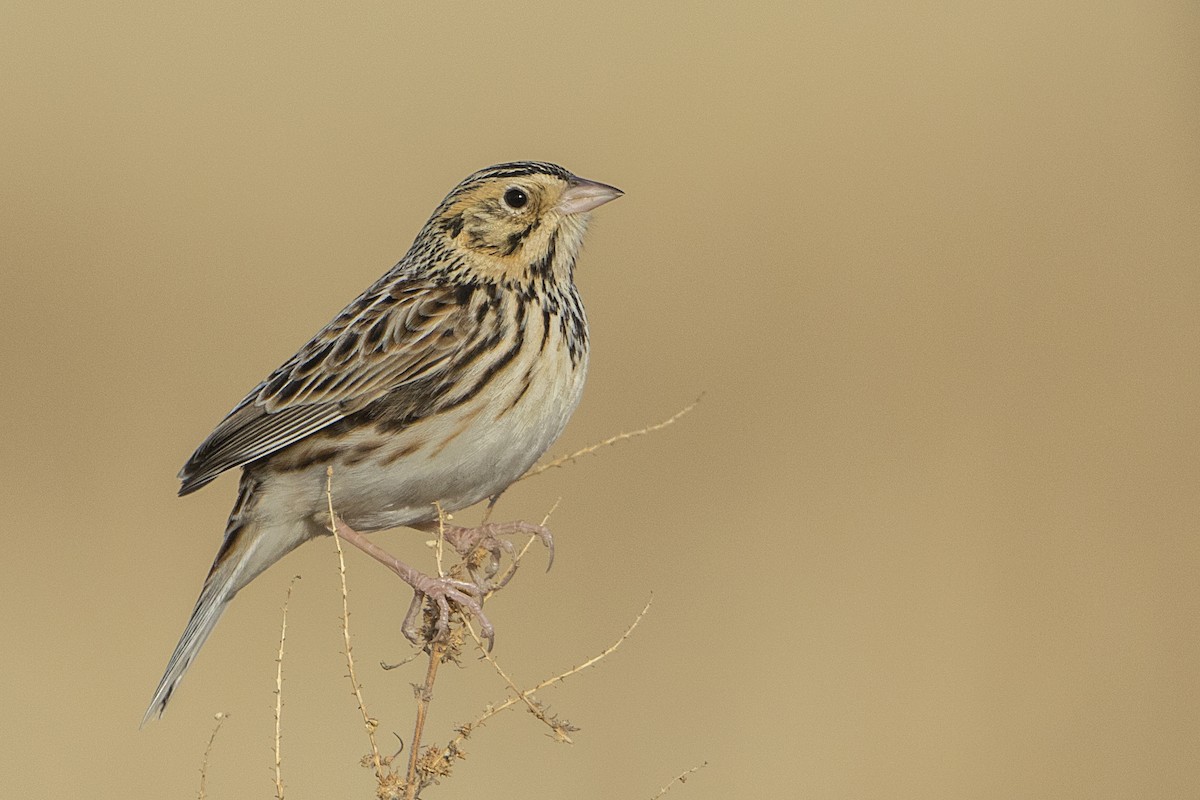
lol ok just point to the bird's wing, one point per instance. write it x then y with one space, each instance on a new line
394 334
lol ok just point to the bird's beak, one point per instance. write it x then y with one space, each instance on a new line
584 195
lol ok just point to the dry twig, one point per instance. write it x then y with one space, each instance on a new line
620 437
523 695
680 778
220 718
437 651
279 692
368 722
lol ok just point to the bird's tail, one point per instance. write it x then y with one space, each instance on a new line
248 549
217 592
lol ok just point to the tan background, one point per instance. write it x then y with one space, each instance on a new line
931 533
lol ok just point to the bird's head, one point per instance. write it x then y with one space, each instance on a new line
518 221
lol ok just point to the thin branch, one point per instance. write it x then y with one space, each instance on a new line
534 708
368 722
680 778
279 692
220 718
620 437
523 695
386 666
424 695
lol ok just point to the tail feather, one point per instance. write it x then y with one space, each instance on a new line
214 597
247 550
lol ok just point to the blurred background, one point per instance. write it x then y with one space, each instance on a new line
931 532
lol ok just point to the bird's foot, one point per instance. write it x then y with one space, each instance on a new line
481 547
440 592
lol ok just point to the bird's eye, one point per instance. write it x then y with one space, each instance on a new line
515 198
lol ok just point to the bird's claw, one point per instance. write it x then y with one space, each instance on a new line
440 591
481 548
466 541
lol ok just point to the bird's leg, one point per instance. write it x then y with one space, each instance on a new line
468 542
439 590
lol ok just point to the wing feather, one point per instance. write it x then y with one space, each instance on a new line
396 333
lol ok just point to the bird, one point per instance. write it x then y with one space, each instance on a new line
435 389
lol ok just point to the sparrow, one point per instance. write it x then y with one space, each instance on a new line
438 386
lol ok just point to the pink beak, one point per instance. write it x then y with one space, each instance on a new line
584 195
